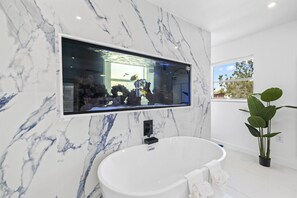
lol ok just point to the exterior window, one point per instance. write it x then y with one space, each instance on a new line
233 79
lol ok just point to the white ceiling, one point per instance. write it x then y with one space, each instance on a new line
231 19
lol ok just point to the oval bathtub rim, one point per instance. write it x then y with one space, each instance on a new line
150 193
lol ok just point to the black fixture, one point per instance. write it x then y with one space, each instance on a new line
147 128
151 140
148 131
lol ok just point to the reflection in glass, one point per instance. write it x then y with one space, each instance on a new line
102 79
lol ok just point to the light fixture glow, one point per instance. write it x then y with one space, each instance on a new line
271 5
78 17
177 45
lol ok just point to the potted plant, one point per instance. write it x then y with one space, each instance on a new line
259 122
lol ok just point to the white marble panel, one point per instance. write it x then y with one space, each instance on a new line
43 155
28 144
28 63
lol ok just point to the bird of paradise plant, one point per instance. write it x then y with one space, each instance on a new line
259 121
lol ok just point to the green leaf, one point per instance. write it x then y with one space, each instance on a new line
255 105
267 113
253 130
270 135
243 110
271 94
257 121
287 106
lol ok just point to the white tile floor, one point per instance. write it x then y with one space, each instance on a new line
250 180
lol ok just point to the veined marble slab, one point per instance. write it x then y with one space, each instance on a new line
44 155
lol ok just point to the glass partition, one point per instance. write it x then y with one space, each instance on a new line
98 78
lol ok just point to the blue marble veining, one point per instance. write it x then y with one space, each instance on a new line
184 40
133 3
3 184
96 192
65 143
26 30
19 25
125 26
205 47
36 145
40 138
164 31
48 105
174 120
98 142
100 16
4 100
136 116
181 44
42 23
168 115
33 161
205 109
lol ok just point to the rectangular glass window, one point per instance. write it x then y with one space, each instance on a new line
233 79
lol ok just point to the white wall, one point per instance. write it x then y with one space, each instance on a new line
275 63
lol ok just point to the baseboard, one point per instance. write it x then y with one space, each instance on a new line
276 159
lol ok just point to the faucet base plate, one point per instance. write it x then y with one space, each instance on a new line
150 140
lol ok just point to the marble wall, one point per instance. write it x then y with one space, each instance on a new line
44 155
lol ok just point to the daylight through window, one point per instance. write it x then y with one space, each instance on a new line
233 79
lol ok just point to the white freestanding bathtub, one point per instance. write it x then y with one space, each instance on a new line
138 172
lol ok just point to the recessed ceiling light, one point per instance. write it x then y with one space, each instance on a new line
177 45
271 5
78 17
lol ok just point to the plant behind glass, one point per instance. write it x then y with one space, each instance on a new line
259 122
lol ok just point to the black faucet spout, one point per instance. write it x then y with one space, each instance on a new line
151 140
